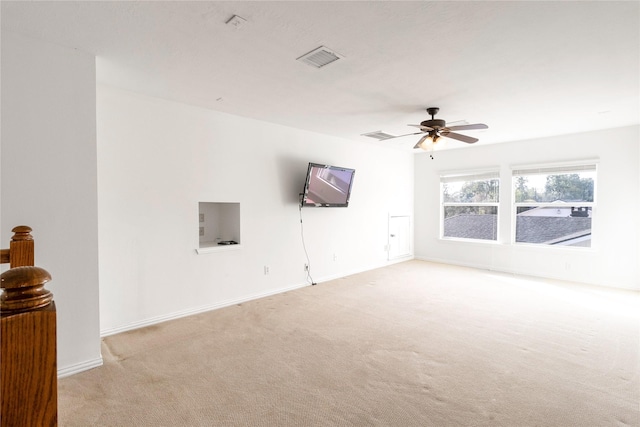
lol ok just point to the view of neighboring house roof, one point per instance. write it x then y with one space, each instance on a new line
551 230
547 211
562 210
470 226
529 229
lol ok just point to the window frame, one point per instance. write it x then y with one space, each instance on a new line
469 176
561 168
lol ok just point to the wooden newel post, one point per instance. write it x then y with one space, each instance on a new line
20 252
28 373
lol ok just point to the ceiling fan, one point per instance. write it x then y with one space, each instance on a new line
434 129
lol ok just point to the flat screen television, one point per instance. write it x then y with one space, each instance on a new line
327 186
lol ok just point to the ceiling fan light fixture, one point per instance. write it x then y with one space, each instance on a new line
432 142
426 145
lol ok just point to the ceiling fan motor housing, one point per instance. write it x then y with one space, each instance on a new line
434 123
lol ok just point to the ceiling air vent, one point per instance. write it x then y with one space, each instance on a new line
320 57
379 135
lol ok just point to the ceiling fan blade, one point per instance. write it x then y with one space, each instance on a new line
406 134
424 128
418 145
459 137
468 127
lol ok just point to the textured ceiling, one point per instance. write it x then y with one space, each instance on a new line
526 69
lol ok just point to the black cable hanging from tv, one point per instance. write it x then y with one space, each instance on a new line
309 278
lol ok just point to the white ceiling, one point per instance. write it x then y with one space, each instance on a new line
526 69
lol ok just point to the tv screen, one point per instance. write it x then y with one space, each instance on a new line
327 186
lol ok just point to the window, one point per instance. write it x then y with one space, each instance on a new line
554 205
470 205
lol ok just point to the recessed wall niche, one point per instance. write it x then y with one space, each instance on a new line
218 222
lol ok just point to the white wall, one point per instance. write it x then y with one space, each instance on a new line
158 159
613 259
49 173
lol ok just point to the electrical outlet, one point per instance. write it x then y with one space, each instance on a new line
335 257
202 231
266 270
201 217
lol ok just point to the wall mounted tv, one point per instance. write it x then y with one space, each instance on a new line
327 186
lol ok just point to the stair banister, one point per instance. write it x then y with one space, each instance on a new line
28 366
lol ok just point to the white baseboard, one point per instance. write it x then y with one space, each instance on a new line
75 369
362 270
197 310
527 274
456 263
227 303
400 259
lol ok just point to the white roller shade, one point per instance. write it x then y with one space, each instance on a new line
554 170
478 176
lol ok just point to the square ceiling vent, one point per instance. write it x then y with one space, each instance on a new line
320 57
379 135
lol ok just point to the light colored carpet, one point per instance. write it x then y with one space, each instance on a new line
412 344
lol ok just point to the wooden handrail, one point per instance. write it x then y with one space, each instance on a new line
4 256
28 372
